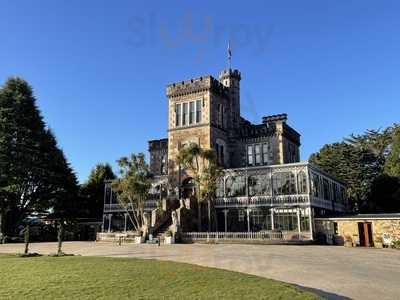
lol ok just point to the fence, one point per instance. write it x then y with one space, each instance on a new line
249 236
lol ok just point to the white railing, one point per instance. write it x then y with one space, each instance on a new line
116 207
254 236
262 200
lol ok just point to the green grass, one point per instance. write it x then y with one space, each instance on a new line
120 278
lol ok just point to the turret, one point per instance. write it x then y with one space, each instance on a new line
231 79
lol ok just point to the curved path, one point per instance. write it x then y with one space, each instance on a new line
332 272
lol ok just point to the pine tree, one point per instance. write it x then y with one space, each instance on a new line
34 172
92 190
392 164
356 167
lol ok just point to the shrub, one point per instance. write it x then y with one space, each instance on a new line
396 244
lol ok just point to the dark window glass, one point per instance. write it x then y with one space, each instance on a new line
257 151
177 115
184 114
250 159
198 111
191 112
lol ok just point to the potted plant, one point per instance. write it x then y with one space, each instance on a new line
139 239
348 241
169 237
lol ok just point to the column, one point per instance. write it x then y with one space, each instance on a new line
298 220
109 222
310 217
248 219
125 215
226 219
272 218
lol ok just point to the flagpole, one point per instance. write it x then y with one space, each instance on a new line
229 55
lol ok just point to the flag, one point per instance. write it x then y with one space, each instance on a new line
229 50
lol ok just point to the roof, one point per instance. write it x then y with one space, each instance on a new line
387 216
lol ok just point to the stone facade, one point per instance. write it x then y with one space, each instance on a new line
206 111
336 230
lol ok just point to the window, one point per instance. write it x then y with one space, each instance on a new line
257 151
177 115
191 112
220 188
219 109
259 185
198 111
315 185
184 114
265 154
335 228
222 116
235 186
222 154
326 189
163 165
284 183
302 182
250 155
242 215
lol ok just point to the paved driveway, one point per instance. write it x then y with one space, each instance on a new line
333 272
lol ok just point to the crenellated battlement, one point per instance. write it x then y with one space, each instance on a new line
275 118
229 73
196 85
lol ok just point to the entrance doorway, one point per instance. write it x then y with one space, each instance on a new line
365 234
188 188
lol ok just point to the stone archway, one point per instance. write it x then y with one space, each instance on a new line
188 188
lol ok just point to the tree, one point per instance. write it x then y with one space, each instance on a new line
392 164
26 239
385 195
92 190
356 167
60 237
133 186
35 175
205 171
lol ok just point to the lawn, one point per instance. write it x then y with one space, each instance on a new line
128 278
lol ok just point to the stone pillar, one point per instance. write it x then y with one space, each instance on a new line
226 219
248 219
272 219
109 222
310 217
298 220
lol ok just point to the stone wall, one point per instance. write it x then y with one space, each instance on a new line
349 227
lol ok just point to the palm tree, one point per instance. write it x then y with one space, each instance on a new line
133 187
205 171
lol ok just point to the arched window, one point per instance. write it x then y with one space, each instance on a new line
302 182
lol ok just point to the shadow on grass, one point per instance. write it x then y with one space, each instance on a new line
322 293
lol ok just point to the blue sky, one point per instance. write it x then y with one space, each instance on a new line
99 68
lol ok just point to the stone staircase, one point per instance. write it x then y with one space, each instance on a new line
160 232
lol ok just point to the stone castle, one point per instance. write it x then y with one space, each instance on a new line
206 111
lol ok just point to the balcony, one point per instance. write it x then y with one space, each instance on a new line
279 200
149 205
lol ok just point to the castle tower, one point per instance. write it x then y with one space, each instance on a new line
231 79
